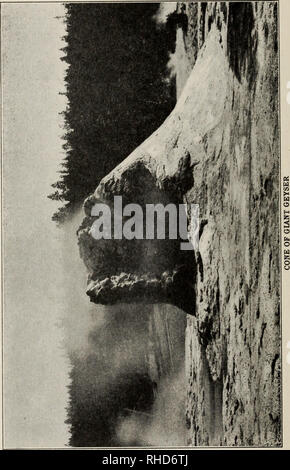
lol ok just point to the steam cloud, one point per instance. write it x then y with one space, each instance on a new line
165 425
164 10
119 334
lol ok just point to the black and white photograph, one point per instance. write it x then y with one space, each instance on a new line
141 253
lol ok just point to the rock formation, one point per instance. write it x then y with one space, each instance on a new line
220 149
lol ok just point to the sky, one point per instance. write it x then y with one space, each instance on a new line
35 366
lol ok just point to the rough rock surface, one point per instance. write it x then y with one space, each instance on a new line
220 149
233 344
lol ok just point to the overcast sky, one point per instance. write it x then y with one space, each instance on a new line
35 368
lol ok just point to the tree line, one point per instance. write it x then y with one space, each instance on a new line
118 89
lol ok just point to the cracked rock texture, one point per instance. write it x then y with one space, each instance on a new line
233 343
